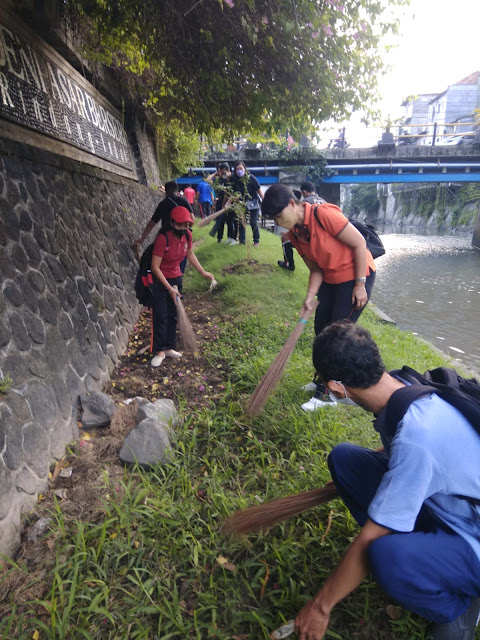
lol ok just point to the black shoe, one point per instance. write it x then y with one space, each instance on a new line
212 232
285 265
463 628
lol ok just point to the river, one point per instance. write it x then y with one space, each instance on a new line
430 285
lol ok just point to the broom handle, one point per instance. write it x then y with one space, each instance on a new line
205 221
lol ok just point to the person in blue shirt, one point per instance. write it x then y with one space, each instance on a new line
204 197
417 499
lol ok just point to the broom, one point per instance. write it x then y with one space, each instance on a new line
187 334
204 221
264 516
270 379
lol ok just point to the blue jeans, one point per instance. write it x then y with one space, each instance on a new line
254 224
431 571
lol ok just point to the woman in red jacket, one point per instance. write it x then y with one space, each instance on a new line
172 245
342 269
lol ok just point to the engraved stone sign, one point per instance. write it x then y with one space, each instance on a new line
40 90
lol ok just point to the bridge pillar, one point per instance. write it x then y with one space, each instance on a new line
476 232
329 192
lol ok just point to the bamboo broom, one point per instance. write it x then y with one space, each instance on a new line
262 517
187 334
204 221
273 375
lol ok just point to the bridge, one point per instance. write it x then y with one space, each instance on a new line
385 164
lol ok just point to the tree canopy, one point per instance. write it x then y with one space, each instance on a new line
241 65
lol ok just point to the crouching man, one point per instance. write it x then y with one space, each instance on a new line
417 501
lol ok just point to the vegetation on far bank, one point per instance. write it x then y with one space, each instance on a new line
153 563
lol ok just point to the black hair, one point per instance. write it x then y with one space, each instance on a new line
224 165
308 186
171 187
297 193
238 163
345 352
276 199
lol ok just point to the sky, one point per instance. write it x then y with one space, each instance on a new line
438 45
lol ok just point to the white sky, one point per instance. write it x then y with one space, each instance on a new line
438 45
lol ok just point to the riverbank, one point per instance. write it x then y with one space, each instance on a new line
143 556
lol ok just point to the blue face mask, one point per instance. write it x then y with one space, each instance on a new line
240 172
345 400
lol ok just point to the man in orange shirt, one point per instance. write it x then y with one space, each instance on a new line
342 269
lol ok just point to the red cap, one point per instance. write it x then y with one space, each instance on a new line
181 214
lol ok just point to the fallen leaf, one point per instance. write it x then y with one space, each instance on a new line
394 612
36 635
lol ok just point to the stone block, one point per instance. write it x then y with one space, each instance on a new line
4 334
36 448
49 309
56 268
65 326
16 366
13 453
148 444
35 328
42 403
7 269
30 296
37 365
19 258
37 281
24 220
13 294
19 333
26 481
6 491
18 405
10 220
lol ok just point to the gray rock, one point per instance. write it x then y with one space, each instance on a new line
162 410
98 410
6 495
36 447
38 529
148 444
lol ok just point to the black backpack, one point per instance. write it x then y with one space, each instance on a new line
144 277
461 393
374 244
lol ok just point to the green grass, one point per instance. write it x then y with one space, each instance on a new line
149 569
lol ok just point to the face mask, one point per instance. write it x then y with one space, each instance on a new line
179 232
240 172
345 400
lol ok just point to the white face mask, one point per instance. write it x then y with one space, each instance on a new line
345 400
240 172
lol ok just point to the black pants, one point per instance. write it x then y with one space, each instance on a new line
164 316
253 215
335 303
232 225
288 254
205 209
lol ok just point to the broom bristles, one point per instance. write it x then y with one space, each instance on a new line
187 334
270 379
264 516
204 221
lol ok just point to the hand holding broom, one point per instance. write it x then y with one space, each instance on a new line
273 375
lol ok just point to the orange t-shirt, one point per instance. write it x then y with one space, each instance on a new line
333 256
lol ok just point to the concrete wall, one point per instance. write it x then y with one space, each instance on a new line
66 306
67 219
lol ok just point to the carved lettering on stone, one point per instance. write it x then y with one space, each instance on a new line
37 93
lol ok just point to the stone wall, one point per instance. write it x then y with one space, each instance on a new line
66 305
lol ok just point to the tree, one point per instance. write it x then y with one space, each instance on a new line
240 65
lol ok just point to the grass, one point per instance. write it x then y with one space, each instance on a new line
156 565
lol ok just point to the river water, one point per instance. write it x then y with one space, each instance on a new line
430 285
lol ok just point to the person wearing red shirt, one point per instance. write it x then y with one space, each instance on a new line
189 194
342 269
173 244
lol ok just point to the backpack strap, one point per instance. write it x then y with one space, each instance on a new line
401 400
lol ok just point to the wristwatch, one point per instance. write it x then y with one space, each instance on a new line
362 280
